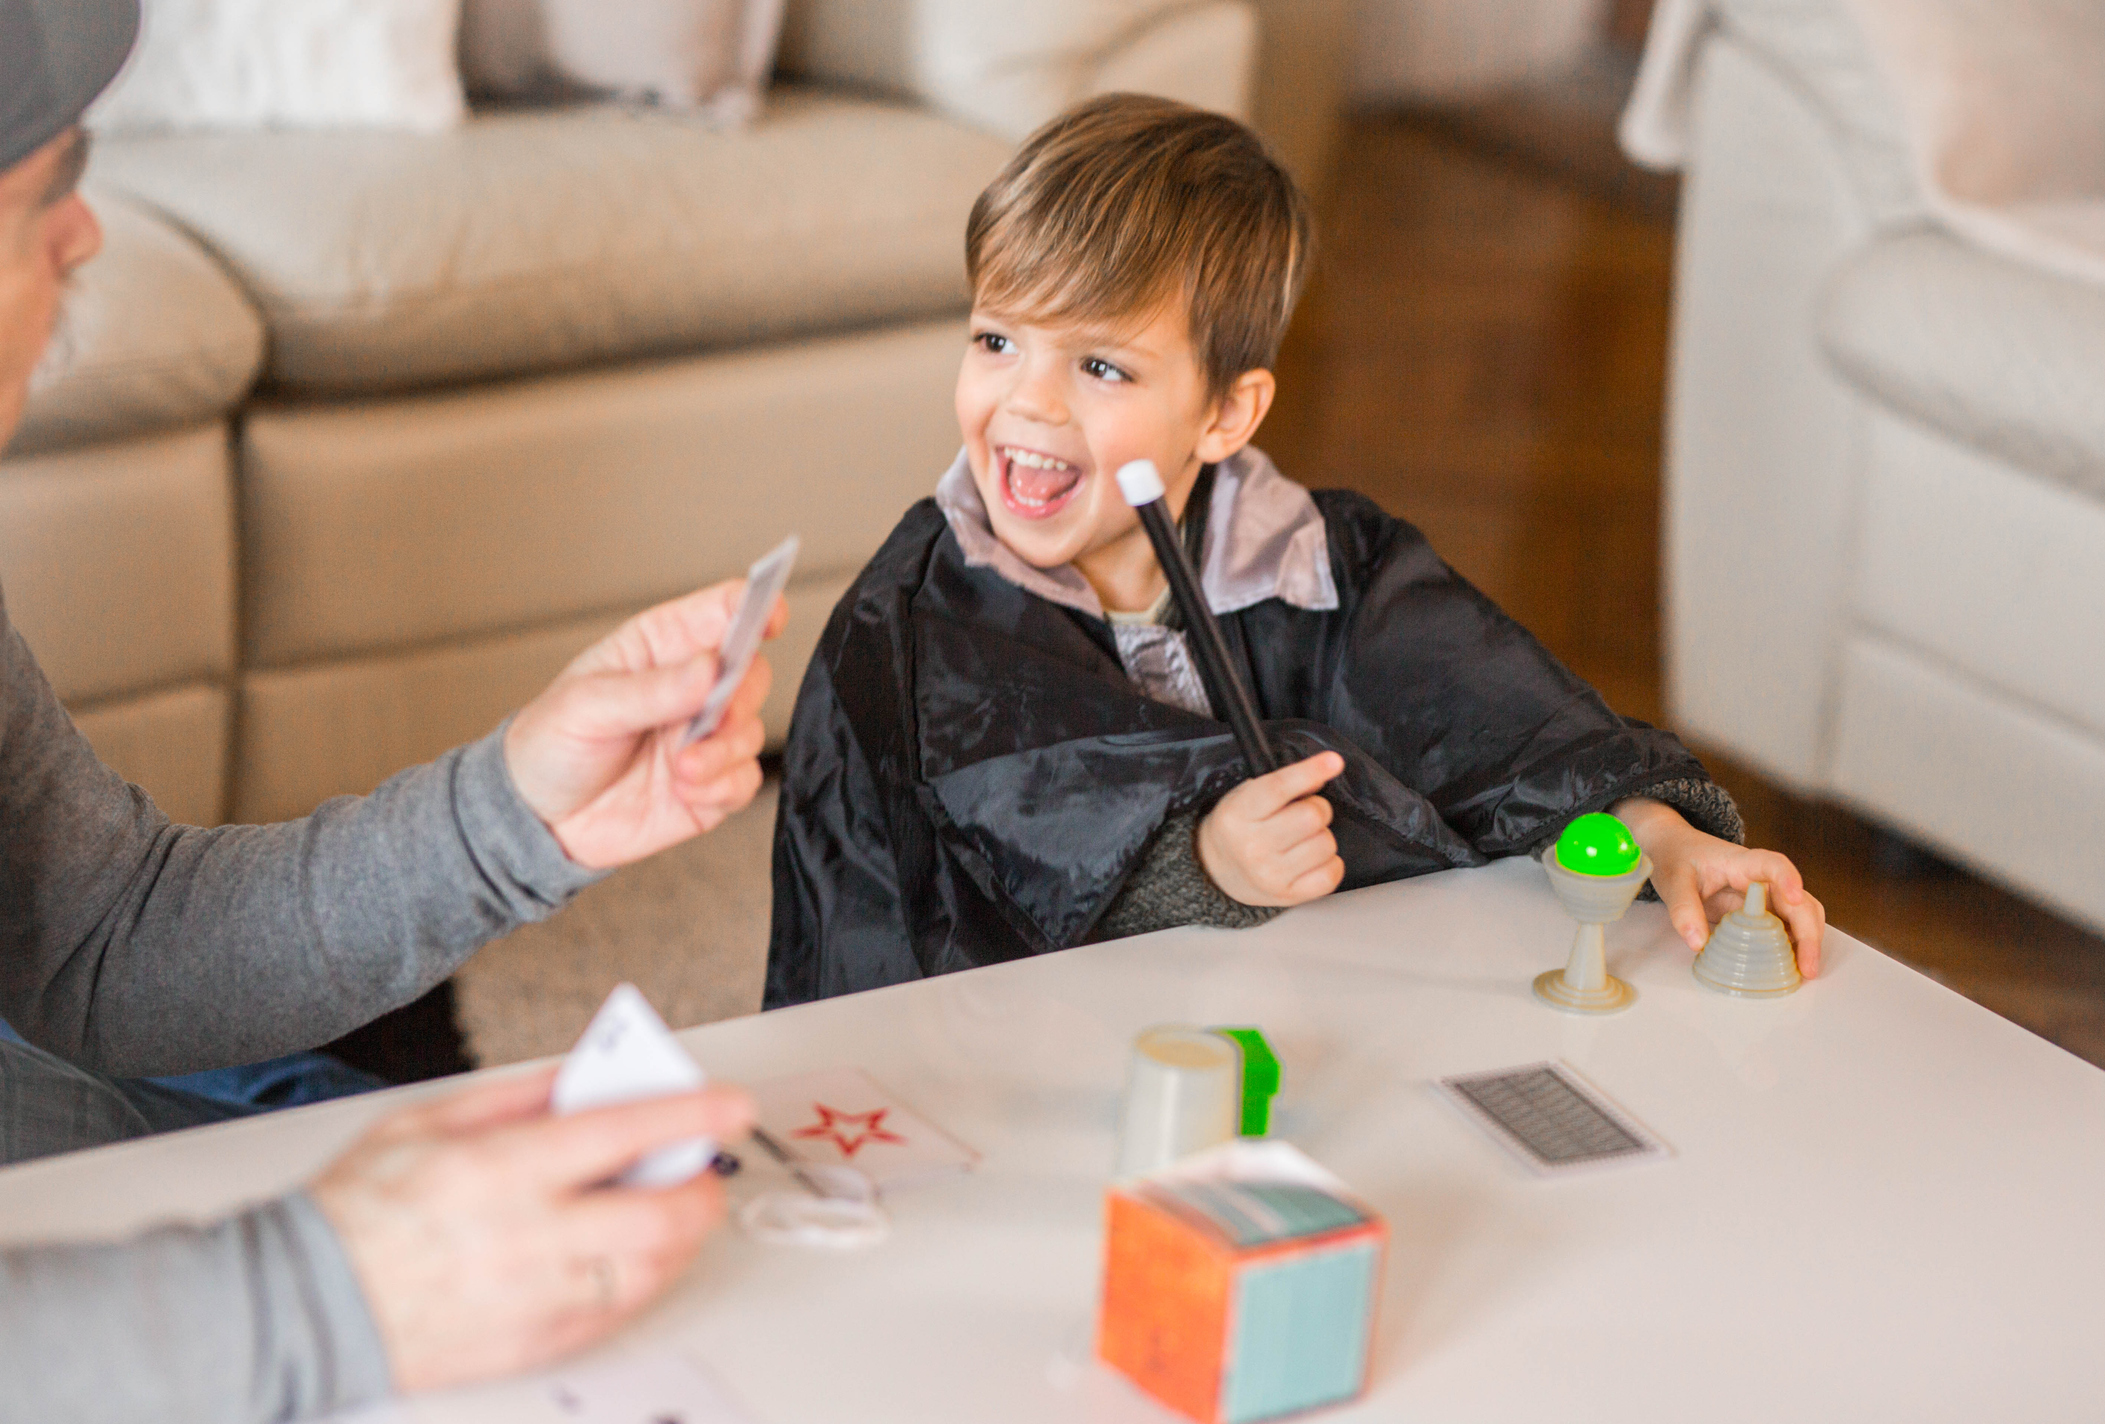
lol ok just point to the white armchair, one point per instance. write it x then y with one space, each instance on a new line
1885 520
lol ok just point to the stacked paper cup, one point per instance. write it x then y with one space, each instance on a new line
1185 1093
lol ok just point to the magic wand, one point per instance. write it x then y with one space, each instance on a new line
1141 483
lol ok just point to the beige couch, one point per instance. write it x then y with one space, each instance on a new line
1886 471
368 433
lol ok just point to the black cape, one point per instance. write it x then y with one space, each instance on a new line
971 776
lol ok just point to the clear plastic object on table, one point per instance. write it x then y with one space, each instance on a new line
1596 868
1749 954
840 1213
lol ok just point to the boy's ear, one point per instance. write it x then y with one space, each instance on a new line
1236 416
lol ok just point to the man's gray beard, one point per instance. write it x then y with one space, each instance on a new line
62 350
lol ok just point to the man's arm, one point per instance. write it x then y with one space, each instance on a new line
255 1318
466 1238
458 1239
138 947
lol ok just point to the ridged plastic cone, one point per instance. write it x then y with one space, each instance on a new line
1749 953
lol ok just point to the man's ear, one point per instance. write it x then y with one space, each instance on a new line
1237 414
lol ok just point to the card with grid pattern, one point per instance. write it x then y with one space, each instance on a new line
1551 1119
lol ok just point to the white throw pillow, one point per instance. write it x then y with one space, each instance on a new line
1009 65
708 56
292 63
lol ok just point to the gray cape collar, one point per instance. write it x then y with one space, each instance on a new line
1264 539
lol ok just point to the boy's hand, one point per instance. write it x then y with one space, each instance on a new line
1268 841
1703 879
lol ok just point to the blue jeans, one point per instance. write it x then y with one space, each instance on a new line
48 1105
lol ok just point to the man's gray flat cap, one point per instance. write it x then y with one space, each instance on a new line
55 57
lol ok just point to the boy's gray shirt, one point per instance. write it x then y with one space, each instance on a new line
135 947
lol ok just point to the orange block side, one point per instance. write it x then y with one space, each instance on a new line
1165 1313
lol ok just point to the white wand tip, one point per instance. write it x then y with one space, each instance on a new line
1140 482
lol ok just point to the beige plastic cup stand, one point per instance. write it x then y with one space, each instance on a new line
1749 954
1584 985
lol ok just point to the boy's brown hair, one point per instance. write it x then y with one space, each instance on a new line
1125 202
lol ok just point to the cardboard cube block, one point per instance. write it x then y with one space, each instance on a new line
1234 1301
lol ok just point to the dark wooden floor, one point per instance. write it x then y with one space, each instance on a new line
1484 352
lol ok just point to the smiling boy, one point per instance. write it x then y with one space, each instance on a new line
1002 746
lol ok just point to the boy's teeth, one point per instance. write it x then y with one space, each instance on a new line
1037 480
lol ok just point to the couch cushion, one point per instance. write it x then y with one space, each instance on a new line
118 562
1988 779
155 335
373 527
1984 567
2004 357
342 727
174 744
538 240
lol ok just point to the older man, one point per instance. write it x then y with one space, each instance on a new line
458 1240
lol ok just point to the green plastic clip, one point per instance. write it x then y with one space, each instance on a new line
1260 1079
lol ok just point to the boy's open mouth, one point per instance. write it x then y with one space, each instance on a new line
1035 485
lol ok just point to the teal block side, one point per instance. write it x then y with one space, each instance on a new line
1299 1333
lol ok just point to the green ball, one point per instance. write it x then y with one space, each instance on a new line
1598 844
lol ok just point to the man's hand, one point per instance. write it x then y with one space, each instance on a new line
1268 841
484 1239
598 756
1702 879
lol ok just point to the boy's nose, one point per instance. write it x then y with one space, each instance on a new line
1036 396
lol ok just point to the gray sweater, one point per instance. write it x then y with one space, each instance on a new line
132 946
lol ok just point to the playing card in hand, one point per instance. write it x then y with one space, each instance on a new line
628 1054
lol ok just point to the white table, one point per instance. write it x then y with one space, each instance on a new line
1886 1203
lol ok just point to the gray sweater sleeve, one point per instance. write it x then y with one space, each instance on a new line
1169 888
253 1319
136 947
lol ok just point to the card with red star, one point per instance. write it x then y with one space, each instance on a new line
840 1117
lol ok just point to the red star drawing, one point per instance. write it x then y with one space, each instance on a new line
832 1120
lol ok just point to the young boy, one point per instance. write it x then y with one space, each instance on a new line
1002 746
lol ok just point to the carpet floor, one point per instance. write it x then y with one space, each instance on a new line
688 928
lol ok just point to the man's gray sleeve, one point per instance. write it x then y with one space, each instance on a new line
139 948
253 1319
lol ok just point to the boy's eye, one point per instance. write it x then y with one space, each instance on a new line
993 343
1102 370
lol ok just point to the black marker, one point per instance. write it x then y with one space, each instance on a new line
1141 483
781 1154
